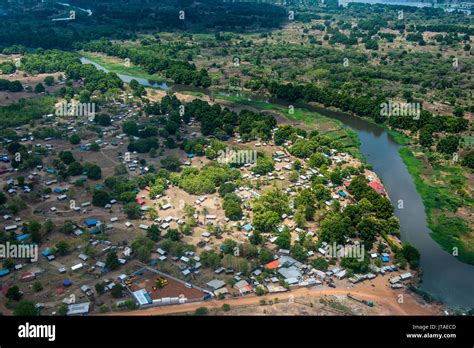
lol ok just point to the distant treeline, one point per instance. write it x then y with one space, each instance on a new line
30 24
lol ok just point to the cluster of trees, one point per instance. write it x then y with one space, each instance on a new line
427 125
207 179
169 103
195 146
287 132
143 145
222 123
94 79
68 166
370 217
48 61
232 206
11 86
154 62
22 157
7 68
468 160
125 189
369 106
268 210
360 105
427 121
264 165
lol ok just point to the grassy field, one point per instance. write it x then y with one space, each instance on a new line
447 203
398 137
25 110
117 66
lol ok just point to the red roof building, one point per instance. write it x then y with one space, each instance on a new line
27 276
377 187
272 265
140 201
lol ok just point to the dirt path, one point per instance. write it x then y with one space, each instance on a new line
390 304
109 158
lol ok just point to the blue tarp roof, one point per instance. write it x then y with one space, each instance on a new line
57 190
45 253
342 194
247 227
67 283
91 222
4 272
22 237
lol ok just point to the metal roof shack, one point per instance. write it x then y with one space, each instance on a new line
243 286
142 297
394 280
405 276
216 284
290 272
78 309
27 276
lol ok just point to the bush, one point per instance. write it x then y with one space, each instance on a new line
63 309
201 311
25 308
116 291
37 287
321 264
14 293
100 198
131 304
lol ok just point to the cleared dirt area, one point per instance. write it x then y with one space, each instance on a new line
173 288
385 303
7 98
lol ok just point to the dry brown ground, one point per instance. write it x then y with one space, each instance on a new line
386 300
7 98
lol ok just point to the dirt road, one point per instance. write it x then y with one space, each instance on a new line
409 306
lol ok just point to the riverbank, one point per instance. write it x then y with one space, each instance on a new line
439 188
118 66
